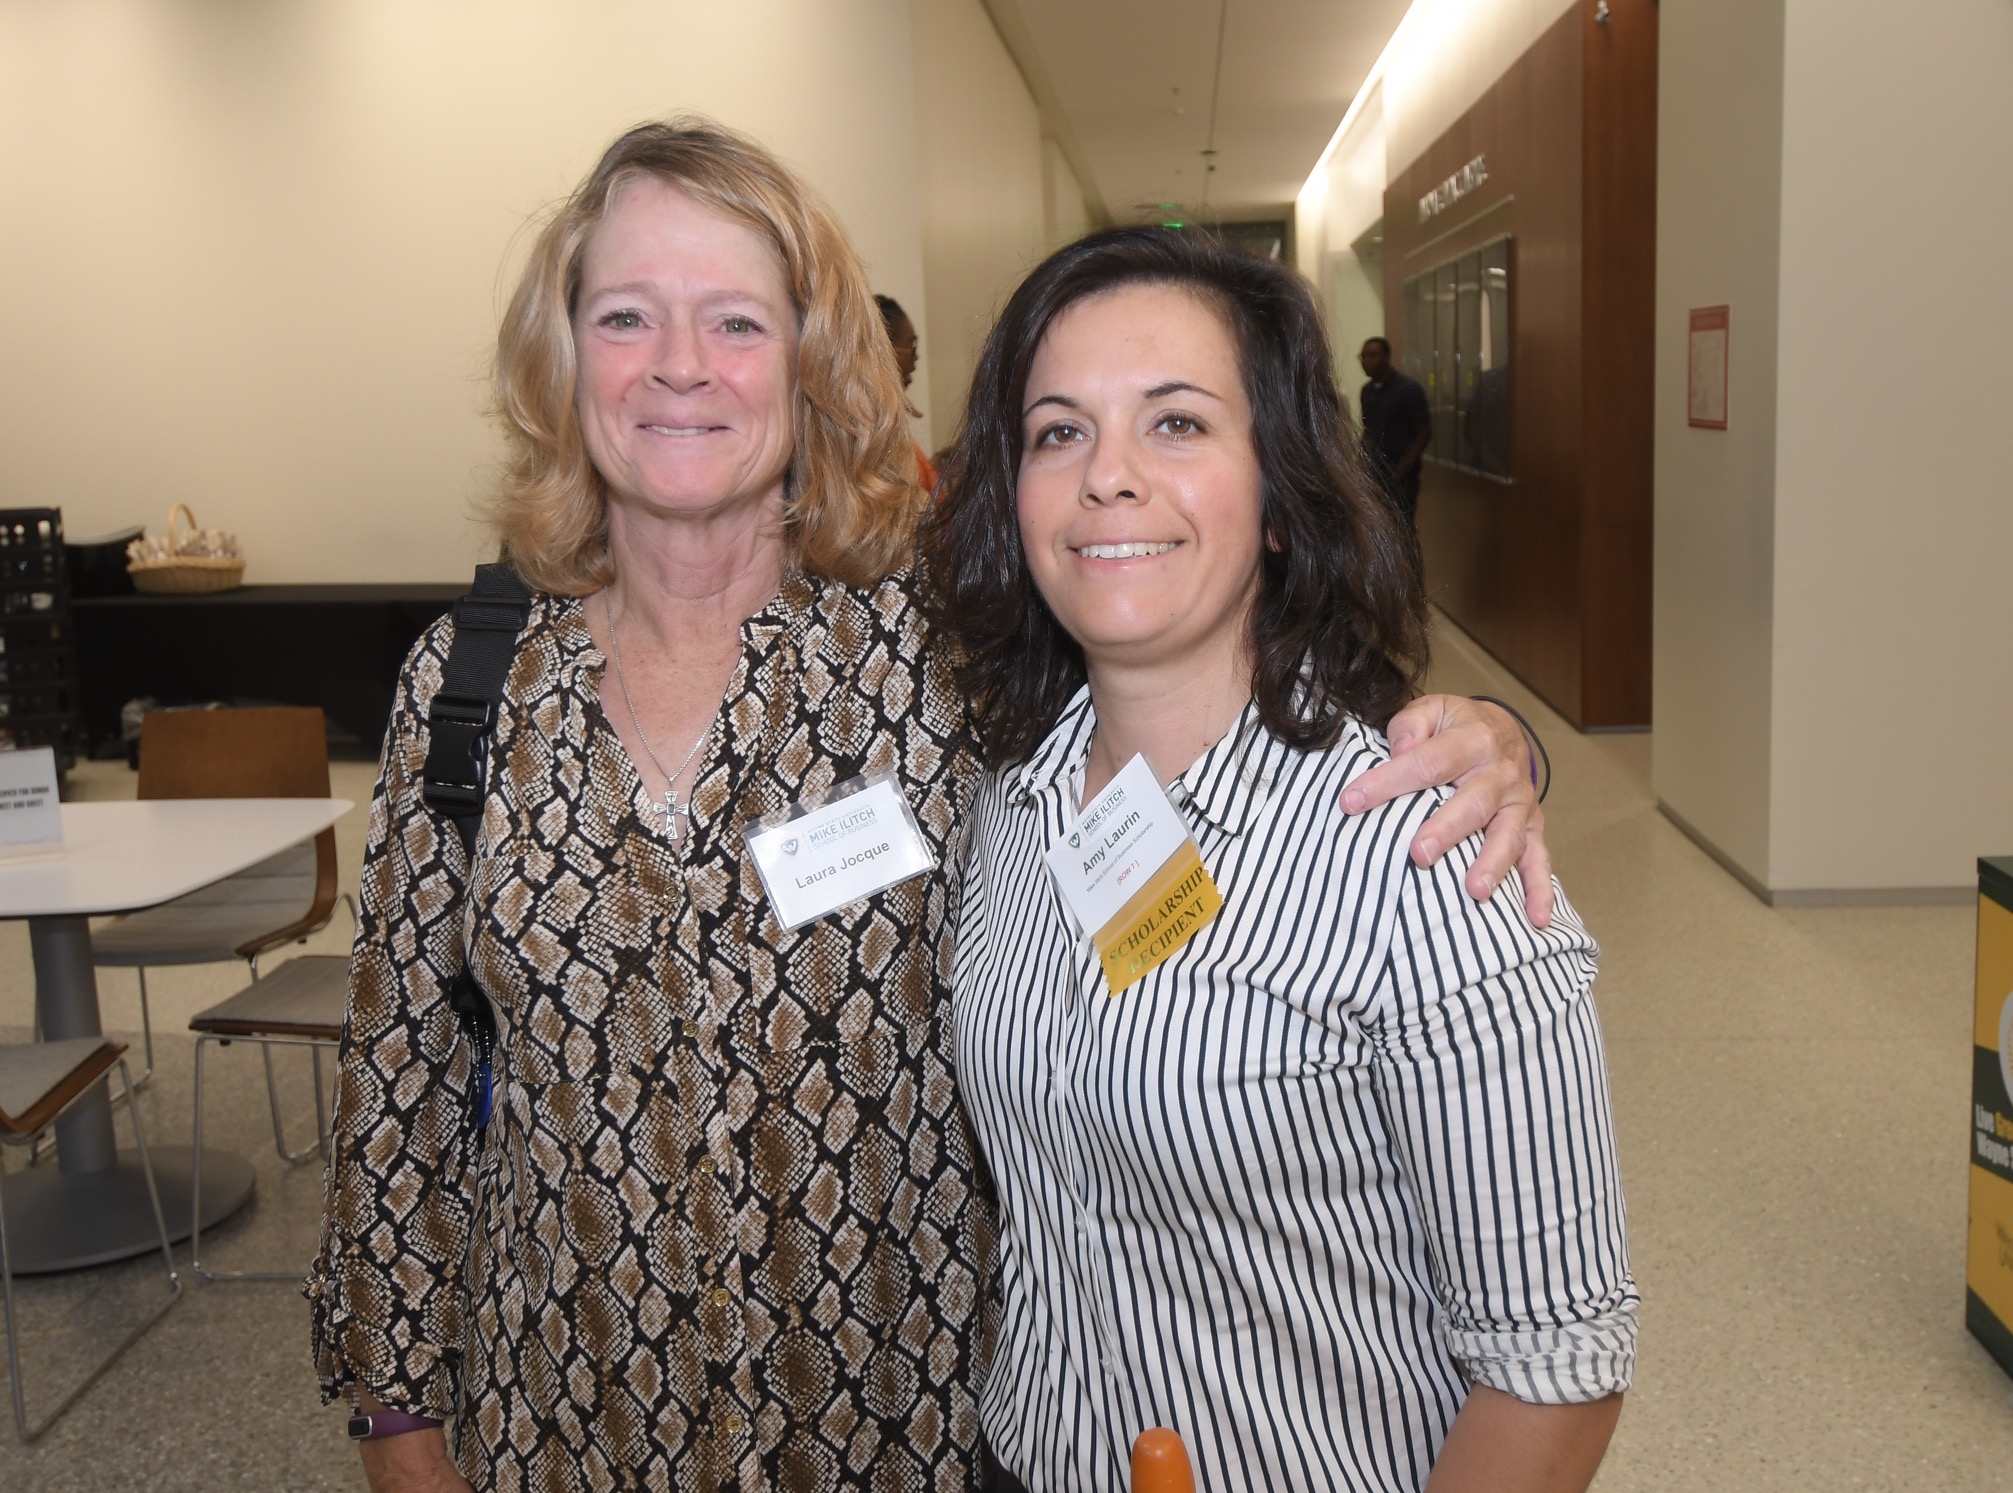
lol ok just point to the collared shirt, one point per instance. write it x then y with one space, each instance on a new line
1343 1155
723 1229
1393 414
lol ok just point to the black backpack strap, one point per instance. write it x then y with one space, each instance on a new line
462 718
461 725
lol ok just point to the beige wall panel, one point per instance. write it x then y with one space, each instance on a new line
1719 184
983 211
1357 177
1893 672
1066 216
255 253
1355 295
1344 195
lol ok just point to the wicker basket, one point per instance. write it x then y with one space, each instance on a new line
179 574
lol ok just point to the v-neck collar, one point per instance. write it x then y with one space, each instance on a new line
787 614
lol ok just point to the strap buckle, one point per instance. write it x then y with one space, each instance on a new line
457 754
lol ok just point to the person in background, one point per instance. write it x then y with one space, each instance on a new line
1397 427
1331 1189
908 347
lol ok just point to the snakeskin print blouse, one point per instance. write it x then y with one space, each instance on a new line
723 1230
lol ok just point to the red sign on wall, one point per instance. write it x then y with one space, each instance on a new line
1705 402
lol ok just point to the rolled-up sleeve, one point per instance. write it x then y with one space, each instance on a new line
1493 1082
387 1288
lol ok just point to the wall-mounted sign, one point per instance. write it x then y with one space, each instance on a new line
1468 179
1705 404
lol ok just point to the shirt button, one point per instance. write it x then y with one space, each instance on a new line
722 1296
732 1423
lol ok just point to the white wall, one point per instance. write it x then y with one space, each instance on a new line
1344 194
1894 529
1357 176
1832 667
984 209
1719 188
1066 214
1341 203
1354 292
254 252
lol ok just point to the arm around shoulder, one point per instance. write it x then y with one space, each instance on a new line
1478 749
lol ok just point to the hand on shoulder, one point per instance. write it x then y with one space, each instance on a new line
1479 750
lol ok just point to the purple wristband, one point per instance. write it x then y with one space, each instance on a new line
382 1423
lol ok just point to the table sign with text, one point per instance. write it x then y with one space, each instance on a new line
30 809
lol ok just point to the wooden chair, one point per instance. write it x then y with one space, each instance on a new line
269 752
299 1004
39 1081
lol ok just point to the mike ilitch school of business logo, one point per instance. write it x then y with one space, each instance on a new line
824 834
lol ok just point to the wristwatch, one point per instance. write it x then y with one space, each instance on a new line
382 1423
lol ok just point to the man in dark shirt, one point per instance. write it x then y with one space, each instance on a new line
1397 426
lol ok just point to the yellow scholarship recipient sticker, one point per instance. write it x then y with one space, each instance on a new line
1133 876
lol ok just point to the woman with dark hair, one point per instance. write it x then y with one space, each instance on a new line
1300 1151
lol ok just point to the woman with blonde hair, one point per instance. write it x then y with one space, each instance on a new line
722 1225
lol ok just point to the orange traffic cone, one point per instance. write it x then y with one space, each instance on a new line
1160 1463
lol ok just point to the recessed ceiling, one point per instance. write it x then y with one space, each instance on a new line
1134 82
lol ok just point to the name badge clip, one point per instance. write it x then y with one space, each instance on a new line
837 847
1133 876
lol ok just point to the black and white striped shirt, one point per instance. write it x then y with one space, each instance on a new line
1344 1154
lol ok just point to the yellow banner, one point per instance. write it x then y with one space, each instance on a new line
1989 1258
1161 916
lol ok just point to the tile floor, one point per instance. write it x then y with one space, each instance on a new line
1792 1091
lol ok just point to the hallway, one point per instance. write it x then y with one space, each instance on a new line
1792 1089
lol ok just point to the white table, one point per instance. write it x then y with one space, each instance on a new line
120 857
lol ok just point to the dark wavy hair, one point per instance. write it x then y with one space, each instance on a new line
1338 627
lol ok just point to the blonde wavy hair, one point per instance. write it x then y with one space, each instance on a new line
851 495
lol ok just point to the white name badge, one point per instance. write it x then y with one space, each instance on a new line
30 810
819 855
1132 875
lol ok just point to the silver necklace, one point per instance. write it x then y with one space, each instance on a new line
673 810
